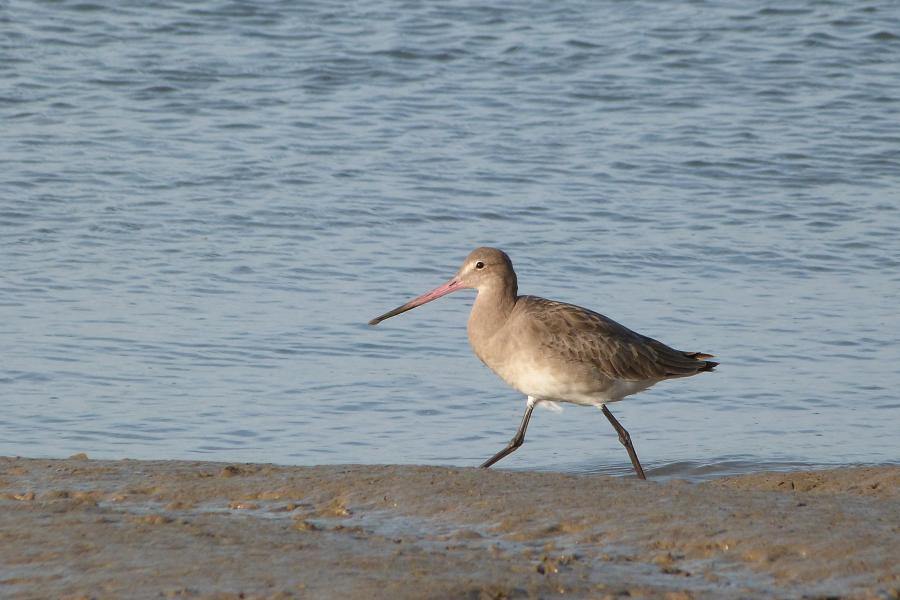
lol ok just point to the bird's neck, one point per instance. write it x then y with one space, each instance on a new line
491 310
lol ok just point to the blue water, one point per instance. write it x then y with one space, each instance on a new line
201 205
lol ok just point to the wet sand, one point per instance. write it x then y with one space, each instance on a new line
80 528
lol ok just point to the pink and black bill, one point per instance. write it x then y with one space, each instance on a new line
449 287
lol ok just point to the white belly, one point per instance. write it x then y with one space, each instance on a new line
545 383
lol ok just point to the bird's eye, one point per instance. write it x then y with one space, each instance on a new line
479 265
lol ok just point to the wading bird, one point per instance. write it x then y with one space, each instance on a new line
556 352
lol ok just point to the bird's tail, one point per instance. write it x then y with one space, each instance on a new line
708 365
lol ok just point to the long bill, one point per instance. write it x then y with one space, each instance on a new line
447 288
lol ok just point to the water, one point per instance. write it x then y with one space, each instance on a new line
201 205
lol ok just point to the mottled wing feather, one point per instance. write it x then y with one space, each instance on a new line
580 335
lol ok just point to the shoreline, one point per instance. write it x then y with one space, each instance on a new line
133 528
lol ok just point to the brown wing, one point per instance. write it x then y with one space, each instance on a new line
580 335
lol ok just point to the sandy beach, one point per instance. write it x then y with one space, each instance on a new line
80 528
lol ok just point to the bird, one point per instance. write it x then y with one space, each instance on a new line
555 352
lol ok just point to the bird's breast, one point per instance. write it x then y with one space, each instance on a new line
533 373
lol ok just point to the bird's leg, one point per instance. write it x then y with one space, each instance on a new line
626 441
517 440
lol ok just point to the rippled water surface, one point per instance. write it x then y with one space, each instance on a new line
202 203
